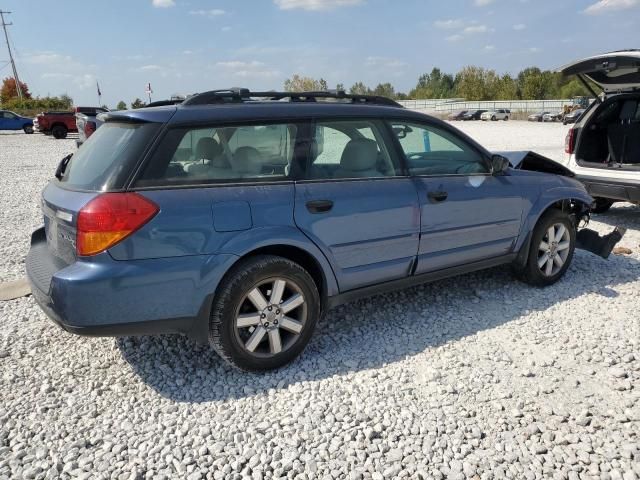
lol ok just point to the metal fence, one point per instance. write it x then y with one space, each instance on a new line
453 104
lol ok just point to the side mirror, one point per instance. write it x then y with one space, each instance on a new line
499 165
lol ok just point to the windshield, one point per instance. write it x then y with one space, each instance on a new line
106 159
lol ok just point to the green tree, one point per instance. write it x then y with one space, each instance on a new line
573 89
471 83
9 90
121 105
384 90
507 88
66 100
298 83
340 87
433 85
137 103
359 88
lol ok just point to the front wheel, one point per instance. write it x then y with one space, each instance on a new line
551 251
264 313
493 118
28 129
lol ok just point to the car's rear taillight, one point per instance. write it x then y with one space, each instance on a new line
570 141
110 218
89 128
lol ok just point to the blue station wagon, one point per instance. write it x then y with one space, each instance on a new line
239 217
13 121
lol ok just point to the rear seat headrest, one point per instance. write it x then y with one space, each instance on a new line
208 148
628 110
247 160
360 154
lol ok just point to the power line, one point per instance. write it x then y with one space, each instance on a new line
13 64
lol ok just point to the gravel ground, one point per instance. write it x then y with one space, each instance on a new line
478 376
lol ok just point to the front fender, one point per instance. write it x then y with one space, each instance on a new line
547 199
250 240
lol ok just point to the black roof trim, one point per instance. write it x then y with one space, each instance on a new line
242 95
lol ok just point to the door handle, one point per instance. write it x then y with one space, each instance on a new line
438 196
319 206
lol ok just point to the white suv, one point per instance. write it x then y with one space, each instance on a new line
604 144
500 114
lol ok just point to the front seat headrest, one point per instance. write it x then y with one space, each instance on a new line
359 154
247 160
207 148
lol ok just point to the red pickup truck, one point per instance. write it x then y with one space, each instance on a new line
57 124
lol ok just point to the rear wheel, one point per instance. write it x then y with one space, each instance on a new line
552 246
493 118
264 314
28 129
59 132
602 205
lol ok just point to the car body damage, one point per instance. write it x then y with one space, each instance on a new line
528 160
586 238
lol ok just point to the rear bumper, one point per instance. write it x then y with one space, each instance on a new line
614 189
99 296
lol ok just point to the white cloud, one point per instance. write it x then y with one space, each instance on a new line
47 58
448 24
489 48
384 62
476 29
534 49
56 75
226 28
214 12
482 3
252 69
519 26
604 6
163 3
149 68
315 5
454 38
85 81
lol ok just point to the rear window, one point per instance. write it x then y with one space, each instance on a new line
106 159
197 155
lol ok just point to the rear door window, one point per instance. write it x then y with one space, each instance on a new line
106 160
193 155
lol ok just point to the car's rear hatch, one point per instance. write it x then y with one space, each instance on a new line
105 163
613 72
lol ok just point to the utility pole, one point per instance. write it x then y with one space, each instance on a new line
13 64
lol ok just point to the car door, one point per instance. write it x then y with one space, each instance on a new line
467 214
4 121
355 204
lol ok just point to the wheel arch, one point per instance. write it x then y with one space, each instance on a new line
579 206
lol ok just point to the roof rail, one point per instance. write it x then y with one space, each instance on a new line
241 95
162 103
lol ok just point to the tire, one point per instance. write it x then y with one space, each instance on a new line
506 118
540 274
28 129
493 118
59 132
602 205
237 298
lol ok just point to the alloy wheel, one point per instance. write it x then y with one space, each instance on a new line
271 317
554 249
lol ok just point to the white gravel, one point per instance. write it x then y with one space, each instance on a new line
474 377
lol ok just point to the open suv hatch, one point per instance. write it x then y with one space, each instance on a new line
604 145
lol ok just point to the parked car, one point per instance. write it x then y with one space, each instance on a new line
58 124
473 115
537 117
87 122
552 117
499 114
13 121
604 144
456 115
239 217
572 117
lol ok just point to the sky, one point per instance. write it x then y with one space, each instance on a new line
187 46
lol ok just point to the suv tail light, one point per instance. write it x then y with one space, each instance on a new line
89 128
110 218
570 141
